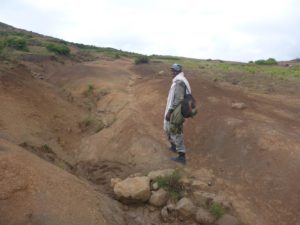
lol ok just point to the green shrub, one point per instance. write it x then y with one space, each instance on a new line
142 59
217 210
89 92
171 184
117 56
15 42
269 61
59 49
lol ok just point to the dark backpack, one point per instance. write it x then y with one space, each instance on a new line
188 105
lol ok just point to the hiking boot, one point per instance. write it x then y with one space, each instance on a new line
173 148
179 159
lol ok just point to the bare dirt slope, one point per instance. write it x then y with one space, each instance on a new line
253 153
36 192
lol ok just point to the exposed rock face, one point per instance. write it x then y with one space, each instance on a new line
135 189
159 198
185 207
160 173
227 220
204 217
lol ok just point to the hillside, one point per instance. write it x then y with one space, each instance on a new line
74 116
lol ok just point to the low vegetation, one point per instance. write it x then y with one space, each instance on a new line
89 92
142 59
14 42
172 185
91 124
217 210
93 93
165 57
59 49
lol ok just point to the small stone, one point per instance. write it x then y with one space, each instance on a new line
161 72
185 207
136 175
114 181
171 207
197 184
202 198
164 213
238 105
159 198
220 199
151 208
155 186
227 220
204 217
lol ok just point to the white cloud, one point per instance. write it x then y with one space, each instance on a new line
232 29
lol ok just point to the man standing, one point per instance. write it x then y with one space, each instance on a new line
173 120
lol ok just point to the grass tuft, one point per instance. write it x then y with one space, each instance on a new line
217 210
171 184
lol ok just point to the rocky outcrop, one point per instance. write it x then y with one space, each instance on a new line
179 196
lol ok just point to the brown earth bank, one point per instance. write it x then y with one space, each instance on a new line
98 120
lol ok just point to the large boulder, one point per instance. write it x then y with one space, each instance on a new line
185 207
204 217
133 189
160 173
159 198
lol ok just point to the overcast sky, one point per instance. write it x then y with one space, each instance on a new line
231 30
